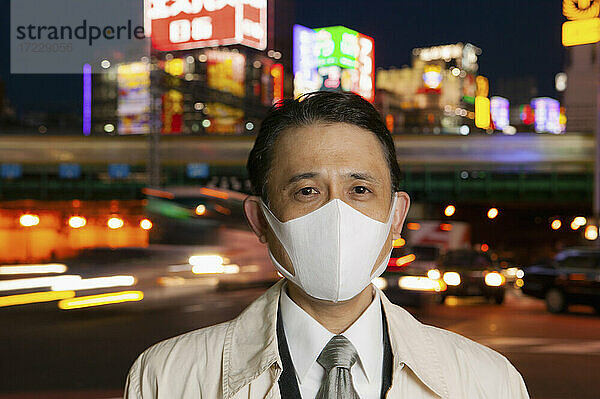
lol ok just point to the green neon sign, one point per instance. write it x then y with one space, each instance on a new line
337 45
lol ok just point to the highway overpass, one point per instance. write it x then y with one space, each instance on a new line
523 167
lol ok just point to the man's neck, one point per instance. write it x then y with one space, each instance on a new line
334 316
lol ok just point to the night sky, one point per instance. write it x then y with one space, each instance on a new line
518 38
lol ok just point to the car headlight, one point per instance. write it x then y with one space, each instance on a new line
494 279
212 264
380 283
520 273
452 278
434 274
419 283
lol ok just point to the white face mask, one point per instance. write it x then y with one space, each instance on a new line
333 249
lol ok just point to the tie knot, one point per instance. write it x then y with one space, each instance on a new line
339 352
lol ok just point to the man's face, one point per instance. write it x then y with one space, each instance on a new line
313 165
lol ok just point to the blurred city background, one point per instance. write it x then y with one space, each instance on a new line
121 187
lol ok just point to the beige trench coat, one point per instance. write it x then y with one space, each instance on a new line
239 359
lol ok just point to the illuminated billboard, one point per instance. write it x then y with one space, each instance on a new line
226 71
277 75
584 24
306 77
482 112
172 112
547 115
337 45
133 102
465 56
581 31
432 76
342 58
223 119
365 65
184 24
499 107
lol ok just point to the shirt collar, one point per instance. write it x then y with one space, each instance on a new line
306 337
366 334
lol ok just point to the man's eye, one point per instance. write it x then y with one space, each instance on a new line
360 190
307 191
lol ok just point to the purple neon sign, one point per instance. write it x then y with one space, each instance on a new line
87 99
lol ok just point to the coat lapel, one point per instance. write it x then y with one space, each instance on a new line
250 346
412 345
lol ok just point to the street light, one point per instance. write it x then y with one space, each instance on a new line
492 213
77 221
115 223
29 220
556 223
146 224
591 232
580 220
449 211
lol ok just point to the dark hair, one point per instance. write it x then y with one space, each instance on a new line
308 109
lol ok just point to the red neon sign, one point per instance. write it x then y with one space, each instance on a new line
365 64
185 24
277 74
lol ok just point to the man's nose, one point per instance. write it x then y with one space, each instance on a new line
335 192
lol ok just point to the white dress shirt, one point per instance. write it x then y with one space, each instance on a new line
306 338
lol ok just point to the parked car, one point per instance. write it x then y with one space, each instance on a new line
572 277
471 273
406 280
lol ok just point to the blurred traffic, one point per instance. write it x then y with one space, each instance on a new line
202 243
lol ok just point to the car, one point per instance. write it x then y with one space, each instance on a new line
406 281
471 273
571 277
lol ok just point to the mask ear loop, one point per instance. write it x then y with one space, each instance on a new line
383 265
278 265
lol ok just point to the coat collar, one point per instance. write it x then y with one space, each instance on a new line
250 346
251 342
413 345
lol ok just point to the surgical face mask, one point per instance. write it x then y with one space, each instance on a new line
333 249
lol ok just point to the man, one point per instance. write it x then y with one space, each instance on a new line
326 180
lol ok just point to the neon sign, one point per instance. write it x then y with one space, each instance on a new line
365 64
306 77
337 45
482 112
226 71
185 24
499 109
277 74
133 103
584 24
333 58
432 76
547 115
526 114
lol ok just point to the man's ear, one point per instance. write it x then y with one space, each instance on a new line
402 205
255 217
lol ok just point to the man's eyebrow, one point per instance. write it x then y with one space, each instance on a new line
355 175
301 176
363 176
